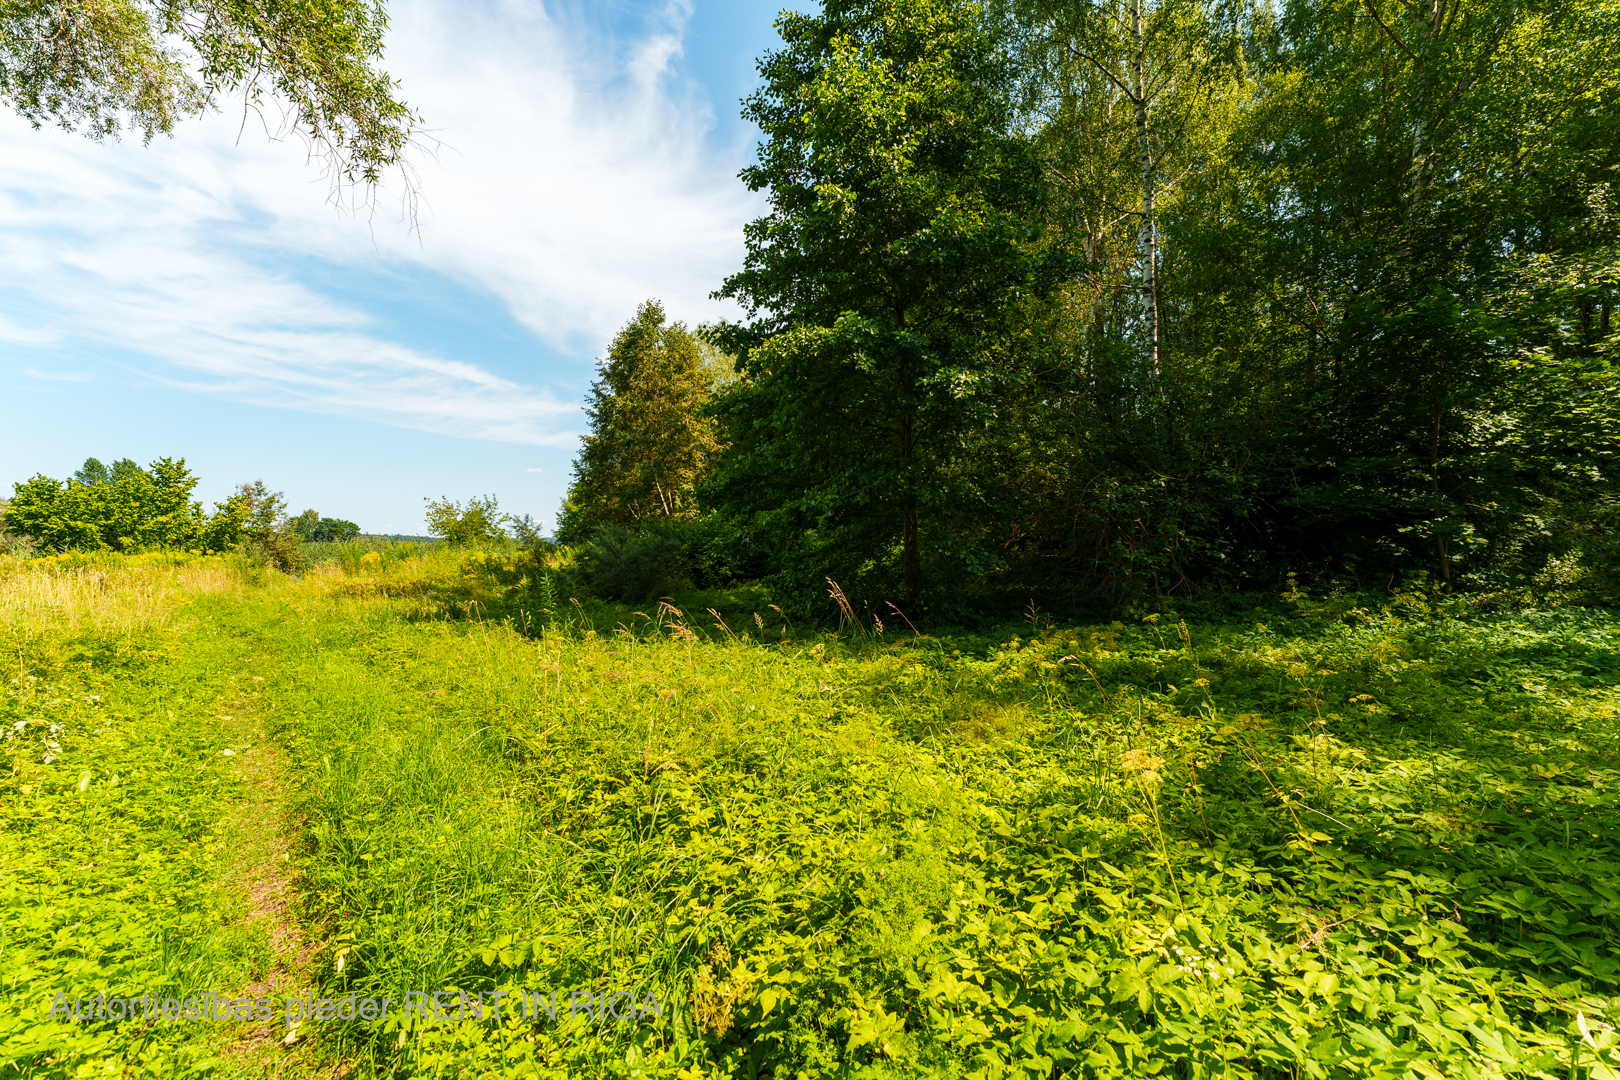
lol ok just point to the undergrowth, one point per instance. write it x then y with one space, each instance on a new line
1366 841
114 788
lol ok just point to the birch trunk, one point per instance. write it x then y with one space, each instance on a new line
1146 237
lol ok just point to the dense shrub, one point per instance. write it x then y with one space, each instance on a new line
633 565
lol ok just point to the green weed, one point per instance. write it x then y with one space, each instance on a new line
1370 841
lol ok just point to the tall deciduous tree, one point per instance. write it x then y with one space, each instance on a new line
901 231
1131 96
650 443
1410 163
1383 262
101 65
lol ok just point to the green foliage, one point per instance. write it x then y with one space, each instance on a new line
94 472
1355 840
127 508
361 554
478 522
633 565
311 526
253 520
123 509
11 541
1347 298
115 791
903 230
526 531
1384 294
1342 839
101 65
650 443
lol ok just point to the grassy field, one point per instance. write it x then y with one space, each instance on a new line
1317 840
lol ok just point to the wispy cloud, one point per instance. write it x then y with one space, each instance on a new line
59 376
14 333
570 187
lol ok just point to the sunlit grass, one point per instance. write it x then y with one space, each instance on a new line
892 839
1391 831
104 592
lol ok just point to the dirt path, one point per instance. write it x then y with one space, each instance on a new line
260 873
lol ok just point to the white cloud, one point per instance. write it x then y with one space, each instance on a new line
574 182
14 333
65 376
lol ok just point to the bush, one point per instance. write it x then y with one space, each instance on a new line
12 542
275 550
629 565
478 522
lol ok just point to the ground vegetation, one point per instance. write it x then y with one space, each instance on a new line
1320 836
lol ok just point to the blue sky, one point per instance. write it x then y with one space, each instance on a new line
203 297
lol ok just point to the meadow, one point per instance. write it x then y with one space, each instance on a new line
1328 836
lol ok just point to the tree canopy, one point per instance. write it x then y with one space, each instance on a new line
1165 295
310 525
904 230
103 66
480 520
119 509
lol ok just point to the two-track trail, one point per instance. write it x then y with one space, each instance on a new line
145 853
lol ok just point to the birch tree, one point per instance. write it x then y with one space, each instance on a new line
1128 89
106 66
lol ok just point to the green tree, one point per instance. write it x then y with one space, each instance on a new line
253 520
479 521
1414 169
1383 286
650 443
12 541
103 65
310 525
1129 94
94 472
126 509
903 230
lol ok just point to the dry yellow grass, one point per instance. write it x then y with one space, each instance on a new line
109 593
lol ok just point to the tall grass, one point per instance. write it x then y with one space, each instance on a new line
1326 840
105 592
1378 842
351 554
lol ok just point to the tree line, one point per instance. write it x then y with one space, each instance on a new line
1089 301
124 507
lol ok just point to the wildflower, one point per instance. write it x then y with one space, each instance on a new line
1144 764
1139 761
